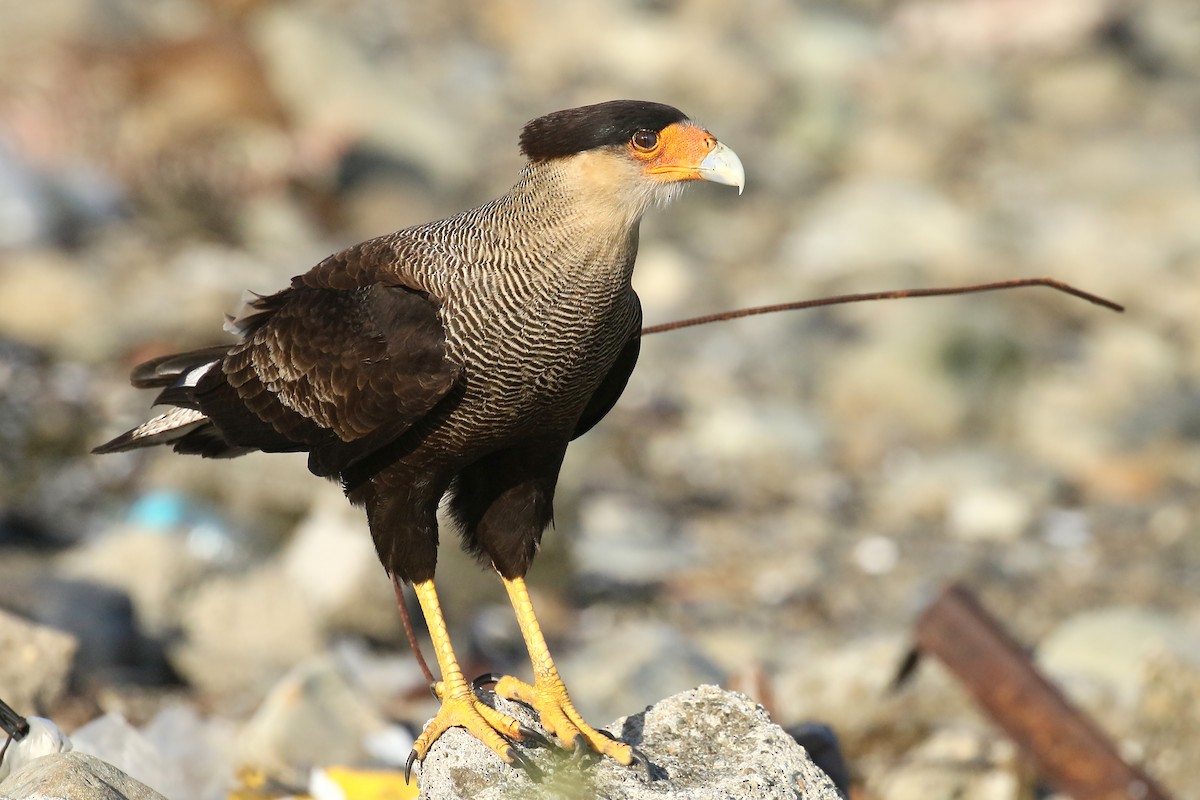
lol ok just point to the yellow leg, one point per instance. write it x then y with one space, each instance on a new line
459 704
548 695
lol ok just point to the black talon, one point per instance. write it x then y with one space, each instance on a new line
580 749
485 679
523 762
526 733
412 757
639 758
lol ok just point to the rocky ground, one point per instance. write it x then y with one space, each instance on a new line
773 502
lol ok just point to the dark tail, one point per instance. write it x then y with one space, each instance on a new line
183 425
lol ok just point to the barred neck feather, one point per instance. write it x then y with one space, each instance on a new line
542 266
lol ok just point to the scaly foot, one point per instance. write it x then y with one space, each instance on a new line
460 707
549 698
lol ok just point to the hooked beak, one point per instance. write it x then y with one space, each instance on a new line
723 166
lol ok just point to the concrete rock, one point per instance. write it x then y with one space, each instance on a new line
36 663
118 744
77 776
704 743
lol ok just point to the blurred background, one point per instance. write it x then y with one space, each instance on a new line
773 502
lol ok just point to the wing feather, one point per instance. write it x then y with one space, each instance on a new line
340 371
614 382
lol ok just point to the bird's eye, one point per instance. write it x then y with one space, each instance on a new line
645 140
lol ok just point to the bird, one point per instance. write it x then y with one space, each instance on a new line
457 359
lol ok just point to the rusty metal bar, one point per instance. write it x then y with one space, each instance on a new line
1068 748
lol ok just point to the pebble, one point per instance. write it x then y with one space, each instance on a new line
623 543
874 224
988 513
876 555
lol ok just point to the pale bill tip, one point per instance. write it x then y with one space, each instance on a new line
723 166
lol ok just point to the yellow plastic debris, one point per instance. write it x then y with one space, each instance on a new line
345 783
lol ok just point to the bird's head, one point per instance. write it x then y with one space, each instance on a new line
634 152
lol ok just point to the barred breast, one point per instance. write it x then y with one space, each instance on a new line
536 303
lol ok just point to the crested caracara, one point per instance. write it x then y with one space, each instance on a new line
457 358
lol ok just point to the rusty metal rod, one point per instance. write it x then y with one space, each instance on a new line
1068 748
12 723
15 727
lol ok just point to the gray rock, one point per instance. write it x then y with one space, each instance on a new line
110 645
869 224
313 716
243 632
73 776
332 561
179 753
704 743
36 663
24 207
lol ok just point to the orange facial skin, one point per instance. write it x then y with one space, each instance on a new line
676 153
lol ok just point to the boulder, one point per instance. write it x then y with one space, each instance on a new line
75 775
703 744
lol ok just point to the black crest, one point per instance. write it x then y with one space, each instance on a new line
577 129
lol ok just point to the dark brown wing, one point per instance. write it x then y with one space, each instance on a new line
340 371
610 389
